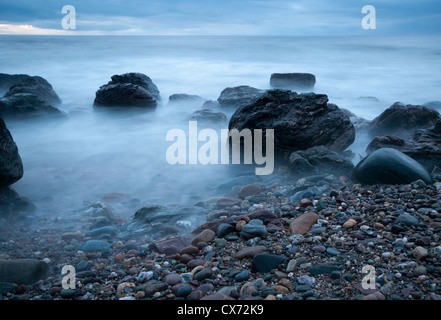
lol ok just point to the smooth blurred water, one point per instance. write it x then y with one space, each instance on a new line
89 155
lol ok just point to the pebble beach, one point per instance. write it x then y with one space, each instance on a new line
267 240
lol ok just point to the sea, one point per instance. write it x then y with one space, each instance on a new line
71 163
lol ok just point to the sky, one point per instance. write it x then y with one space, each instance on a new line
221 17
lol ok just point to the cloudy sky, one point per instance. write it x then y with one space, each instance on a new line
221 17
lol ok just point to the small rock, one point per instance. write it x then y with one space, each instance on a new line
349 223
242 276
255 228
205 236
264 262
172 279
303 223
250 190
375 296
249 252
305 203
223 229
419 253
203 274
333 252
95 245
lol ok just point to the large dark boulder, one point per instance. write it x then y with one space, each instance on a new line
128 90
319 160
8 80
237 96
12 204
402 121
300 121
11 167
36 86
389 166
294 81
424 147
26 106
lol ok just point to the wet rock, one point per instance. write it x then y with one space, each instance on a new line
249 252
226 202
239 181
349 223
12 204
255 228
323 269
98 232
95 245
250 190
295 81
242 276
9 80
300 121
208 117
22 106
172 279
169 245
128 90
264 262
35 85
424 146
183 98
237 96
11 166
401 120
407 219
203 274
420 253
223 229
303 223
389 166
23 271
319 160
205 236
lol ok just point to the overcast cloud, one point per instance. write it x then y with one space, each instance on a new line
221 17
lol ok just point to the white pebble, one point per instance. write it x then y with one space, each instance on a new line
47 260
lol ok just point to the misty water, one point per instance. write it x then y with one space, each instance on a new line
74 162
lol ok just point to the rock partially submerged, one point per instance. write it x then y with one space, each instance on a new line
11 166
424 147
209 117
128 90
12 84
319 160
21 106
300 121
402 121
186 99
389 166
28 97
36 86
295 81
234 97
